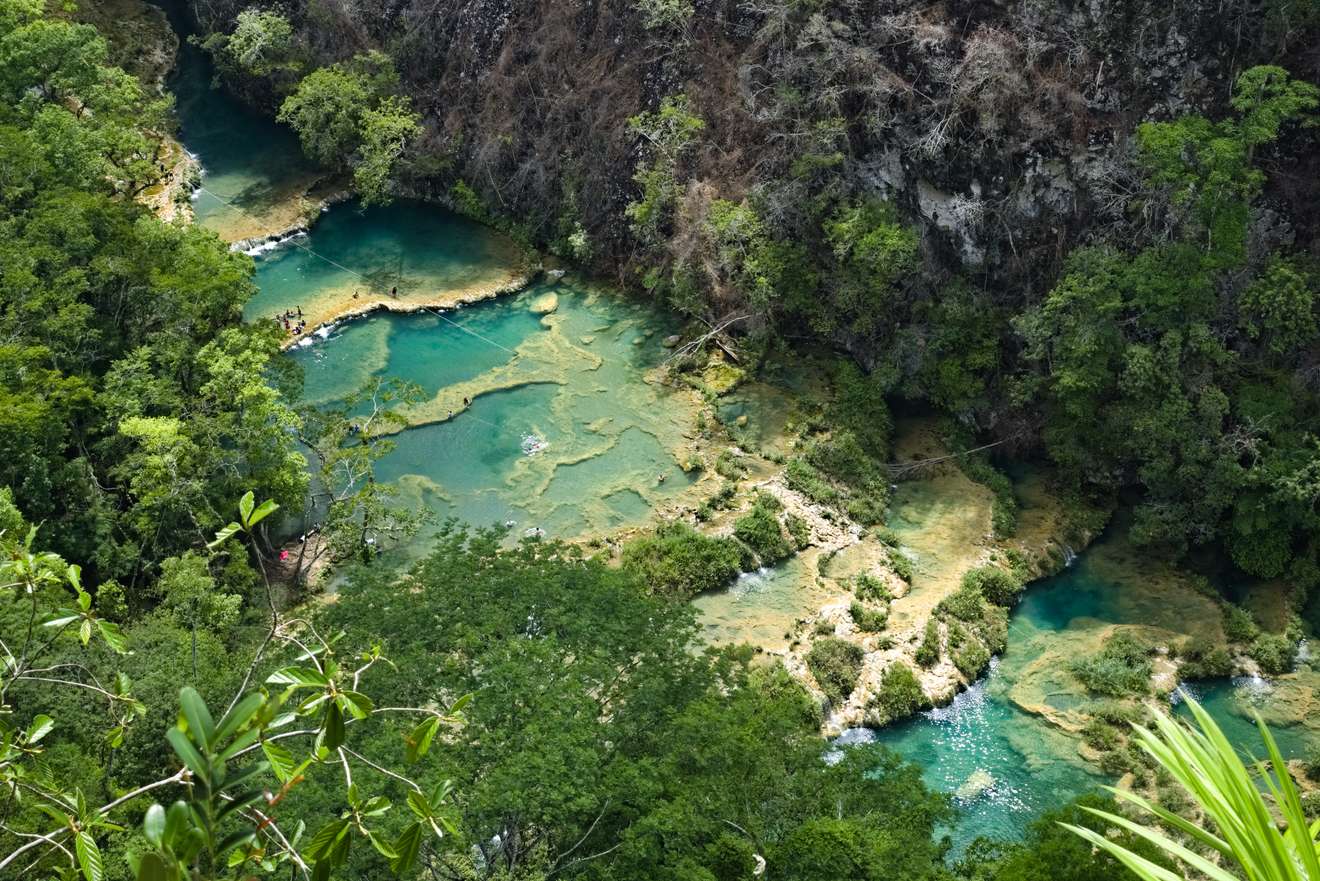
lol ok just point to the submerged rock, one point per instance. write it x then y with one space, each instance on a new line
670 341
975 785
544 304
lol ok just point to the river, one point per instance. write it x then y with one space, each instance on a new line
542 411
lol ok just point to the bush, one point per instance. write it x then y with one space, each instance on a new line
1203 659
1101 735
1311 764
729 466
1121 668
799 475
886 536
680 562
1239 625
898 696
868 587
997 585
1274 652
972 659
836 664
759 529
928 653
867 619
901 565
799 530
965 604
1004 507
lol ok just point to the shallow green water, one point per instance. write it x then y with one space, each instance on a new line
1033 766
248 160
575 380
406 253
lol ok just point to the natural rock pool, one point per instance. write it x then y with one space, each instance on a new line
553 419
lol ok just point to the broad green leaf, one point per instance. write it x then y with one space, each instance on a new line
186 751
299 677
406 847
223 536
75 576
241 713
113 636
418 804
40 727
153 825
418 741
89 857
197 715
245 509
264 510
325 837
356 704
384 849
62 620
85 631
281 760
332 730
84 600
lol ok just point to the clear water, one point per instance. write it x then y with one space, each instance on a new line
760 607
1033 765
253 169
405 255
576 380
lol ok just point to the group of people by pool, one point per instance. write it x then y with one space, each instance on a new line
292 320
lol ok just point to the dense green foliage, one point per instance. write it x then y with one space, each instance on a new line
835 663
136 406
682 768
680 562
760 530
898 696
1122 667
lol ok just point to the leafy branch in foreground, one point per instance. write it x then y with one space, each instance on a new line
235 771
1240 822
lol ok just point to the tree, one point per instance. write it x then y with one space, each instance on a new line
225 814
347 115
1239 827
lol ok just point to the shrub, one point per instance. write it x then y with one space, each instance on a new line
799 475
993 628
928 653
799 530
1274 652
1311 764
965 604
997 585
1239 625
836 664
729 466
759 529
867 619
1004 507
1122 667
886 536
680 562
898 696
868 587
1203 659
1101 735
901 565
972 659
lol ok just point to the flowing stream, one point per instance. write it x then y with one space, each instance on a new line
538 413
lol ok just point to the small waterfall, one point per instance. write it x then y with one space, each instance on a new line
1069 557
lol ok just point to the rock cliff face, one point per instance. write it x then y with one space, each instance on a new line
1003 129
